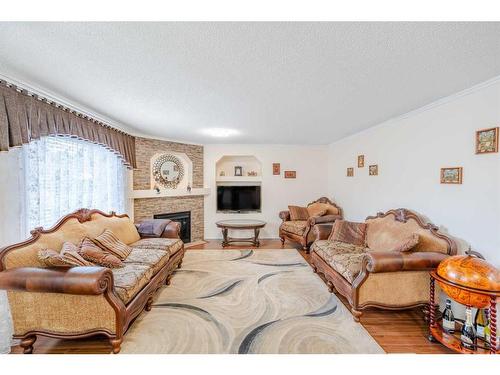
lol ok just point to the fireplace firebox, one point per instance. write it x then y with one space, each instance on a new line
184 219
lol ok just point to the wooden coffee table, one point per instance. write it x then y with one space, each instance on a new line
240 224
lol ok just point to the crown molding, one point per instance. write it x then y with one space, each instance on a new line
427 107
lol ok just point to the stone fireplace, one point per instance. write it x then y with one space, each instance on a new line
151 207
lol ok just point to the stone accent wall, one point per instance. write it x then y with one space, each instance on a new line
145 208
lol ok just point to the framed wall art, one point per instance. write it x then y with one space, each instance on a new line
276 169
290 174
238 171
350 172
361 161
487 141
373 170
451 175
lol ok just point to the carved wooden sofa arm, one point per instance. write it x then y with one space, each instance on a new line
285 215
393 261
323 219
76 280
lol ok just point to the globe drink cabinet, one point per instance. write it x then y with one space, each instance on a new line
470 281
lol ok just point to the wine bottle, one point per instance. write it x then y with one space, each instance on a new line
468 334
480 323
448 318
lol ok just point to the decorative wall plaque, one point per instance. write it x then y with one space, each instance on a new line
276 169
168 171
451 175
350 172
290 174
361 161
373 170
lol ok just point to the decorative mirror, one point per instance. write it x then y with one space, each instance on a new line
168 171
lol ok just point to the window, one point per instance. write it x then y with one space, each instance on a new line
64 174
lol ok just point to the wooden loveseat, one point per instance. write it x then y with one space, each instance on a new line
79 302
373 276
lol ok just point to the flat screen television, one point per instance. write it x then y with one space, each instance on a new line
238 198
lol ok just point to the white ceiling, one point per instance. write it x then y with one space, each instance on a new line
301 83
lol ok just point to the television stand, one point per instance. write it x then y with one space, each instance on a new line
254 225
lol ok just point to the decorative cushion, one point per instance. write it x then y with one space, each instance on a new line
172 245
68 257
153 258
296 227
343 257
152 227
110 243
131 279
93 253
298 213
316 210
348 232
330 209
407 244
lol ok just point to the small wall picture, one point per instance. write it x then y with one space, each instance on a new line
373 170
238 171
350 172
276 169
290 174
487 141
451 175
361 161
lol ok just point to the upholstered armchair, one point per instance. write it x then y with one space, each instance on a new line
300 231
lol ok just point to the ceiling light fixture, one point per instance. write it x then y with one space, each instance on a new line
220 132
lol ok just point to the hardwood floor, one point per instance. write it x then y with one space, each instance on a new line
395 331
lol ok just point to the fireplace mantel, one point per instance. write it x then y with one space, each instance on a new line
137 194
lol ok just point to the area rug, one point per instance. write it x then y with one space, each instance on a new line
245 301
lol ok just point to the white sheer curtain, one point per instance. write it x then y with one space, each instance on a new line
63 174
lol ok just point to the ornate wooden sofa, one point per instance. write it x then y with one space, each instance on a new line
301 231
84 301
376 277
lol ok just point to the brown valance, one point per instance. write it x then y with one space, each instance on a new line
25 117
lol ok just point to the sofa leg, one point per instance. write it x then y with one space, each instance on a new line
356 314
315 269
149 304
116 344
282 239
180 264
27 344
168 279
305 248
330 286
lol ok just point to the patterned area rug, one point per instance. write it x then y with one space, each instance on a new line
245 301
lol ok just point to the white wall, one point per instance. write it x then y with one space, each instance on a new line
277 192
410 152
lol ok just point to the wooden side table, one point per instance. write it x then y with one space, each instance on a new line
479 299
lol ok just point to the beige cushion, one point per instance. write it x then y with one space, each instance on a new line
110 243
296 227
385 233
130 279
172 245
344 258
330 209
153 258
407 244
298 213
